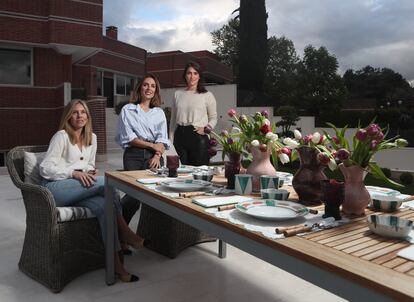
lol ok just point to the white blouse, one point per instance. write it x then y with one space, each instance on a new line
62 158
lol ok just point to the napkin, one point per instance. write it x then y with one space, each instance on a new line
154 180
407 253
219 201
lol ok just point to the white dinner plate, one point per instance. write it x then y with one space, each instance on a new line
185 185
272 209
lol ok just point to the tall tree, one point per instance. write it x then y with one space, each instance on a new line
320 88
281 70
226 42
253 44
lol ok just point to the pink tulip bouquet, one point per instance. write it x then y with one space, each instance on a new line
365 143
254 131
316 141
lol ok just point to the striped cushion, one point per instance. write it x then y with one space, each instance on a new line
73 213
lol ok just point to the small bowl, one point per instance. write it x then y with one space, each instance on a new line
386 203
278 194
390 226
203 175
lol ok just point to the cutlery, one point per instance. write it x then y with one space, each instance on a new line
227 207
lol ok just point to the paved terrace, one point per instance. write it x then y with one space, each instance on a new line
197 274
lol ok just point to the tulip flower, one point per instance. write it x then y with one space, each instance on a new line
400 142
231 112
373 129
316 137
323 158
283 158
255 143
335 139
265 113
269 135
212 151
332 164
379 137
274 137
286 151
230 141
212 142
291 143
361 134
224 133
322 140
307 138
265 128
257 116
235 130
373 144
243 118
297 134
342 154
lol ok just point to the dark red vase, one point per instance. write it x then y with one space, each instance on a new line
231 168
306 181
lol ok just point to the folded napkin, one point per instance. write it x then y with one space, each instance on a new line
154 180
220 201
407 253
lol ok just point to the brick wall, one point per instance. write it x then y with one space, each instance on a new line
29 116
108 61
51 68
97 108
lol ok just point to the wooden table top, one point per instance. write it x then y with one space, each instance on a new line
351 250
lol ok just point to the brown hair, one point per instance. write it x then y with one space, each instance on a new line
156 100
200 84
86 135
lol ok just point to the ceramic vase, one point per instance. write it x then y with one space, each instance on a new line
260 165
357 197
231 168
307 178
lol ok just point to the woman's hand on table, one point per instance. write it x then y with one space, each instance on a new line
86 178
154 162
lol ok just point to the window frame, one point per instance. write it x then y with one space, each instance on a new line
29 49
126 77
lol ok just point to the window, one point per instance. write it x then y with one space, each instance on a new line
124 84
15 66
99 83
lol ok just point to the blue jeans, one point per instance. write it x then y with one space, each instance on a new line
70 192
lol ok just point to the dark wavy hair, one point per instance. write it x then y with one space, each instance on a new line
200 84
156 100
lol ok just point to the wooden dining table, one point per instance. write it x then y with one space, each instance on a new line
349 260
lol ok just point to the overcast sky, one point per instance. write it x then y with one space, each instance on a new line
379 33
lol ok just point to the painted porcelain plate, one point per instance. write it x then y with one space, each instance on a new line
185 185
272 209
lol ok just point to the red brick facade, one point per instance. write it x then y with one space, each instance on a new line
66 43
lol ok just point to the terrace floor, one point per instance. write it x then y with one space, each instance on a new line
197 274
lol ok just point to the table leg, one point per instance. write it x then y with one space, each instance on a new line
222 249
110 244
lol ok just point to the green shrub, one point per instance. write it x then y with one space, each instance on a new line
386 171
406 178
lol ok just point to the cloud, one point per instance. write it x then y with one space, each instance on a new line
379 33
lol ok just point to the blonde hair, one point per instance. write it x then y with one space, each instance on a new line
86 135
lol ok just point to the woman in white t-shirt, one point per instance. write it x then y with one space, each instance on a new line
68 171
193 109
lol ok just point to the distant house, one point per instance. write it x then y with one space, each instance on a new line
169 66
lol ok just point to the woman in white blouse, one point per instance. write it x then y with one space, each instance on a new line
193 109
68 171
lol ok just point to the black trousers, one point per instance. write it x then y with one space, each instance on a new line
191 146
135 158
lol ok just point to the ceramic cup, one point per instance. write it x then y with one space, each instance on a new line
277 194
243 184
270 182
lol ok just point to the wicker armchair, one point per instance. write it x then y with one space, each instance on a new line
168 235
53 252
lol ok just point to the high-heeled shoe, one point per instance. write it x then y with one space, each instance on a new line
127 277
140 245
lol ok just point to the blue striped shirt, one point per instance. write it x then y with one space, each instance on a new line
133 122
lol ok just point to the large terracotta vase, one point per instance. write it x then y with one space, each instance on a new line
306 181
231 168
260 165
357 197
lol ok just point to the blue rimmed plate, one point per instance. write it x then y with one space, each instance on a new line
272 209
186 185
